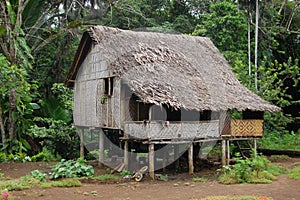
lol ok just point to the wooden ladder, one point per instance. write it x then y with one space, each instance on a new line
245 148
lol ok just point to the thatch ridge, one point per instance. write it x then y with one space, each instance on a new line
181 71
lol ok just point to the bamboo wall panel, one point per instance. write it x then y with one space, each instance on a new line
117 103
88 110
98 102
136 129
158 130
77 102
225 122
178 130
91 103
207 129
246 128
104 114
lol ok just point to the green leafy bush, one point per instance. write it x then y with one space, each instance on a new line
39 175
294 173
19 157
125 172
3 157
278 140
71 169
256 169
45 155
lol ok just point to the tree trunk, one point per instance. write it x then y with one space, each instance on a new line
249 46
12 110
2 122
256 43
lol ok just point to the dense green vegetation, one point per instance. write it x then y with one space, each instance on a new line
256 169
278 140
38 40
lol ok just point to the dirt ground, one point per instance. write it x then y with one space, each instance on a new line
179 186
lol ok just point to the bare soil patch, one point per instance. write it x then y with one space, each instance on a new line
179 186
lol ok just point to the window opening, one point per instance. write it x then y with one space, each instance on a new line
108 86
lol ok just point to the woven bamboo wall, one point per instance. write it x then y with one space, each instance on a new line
158 130
247 128
89 110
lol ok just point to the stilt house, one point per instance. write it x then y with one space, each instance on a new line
150 89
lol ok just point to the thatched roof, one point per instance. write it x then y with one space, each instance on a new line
181 71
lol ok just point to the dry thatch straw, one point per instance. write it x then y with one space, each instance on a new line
181 71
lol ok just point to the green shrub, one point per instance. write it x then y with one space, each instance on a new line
71 169
125 172
294 173
3 157
39 175
256 169
278 140
45 156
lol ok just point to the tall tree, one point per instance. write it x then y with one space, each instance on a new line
17 53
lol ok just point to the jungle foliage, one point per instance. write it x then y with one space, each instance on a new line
38 40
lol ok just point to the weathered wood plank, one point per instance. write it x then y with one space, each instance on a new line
151 160
191 162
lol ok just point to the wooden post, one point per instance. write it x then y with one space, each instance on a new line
151 160
165 153
223 152
101 147
255 147
82 143
228 152
191 164
126 154
176 156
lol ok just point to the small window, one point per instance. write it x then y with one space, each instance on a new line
108 86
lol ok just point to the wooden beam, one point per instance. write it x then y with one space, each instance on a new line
126 154
82 143
176 156
151 160
101 147
191 163
223 152
228 152
255 147
165 159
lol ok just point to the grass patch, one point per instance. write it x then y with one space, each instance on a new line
67 183
46 185
296 164
199 179
276 169
294 173
22 183
106 177
236 198
279 158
